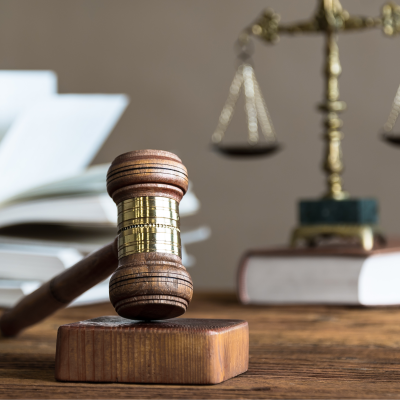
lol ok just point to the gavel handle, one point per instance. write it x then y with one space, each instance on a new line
60 290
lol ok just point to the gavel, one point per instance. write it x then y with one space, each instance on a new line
148 279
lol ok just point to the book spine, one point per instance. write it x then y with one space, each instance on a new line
241 279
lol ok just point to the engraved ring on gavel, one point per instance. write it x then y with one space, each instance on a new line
148 224
150 282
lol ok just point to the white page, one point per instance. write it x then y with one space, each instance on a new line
55 139
379 280
99 293
21 89
91 181
303 280
35 262
90 211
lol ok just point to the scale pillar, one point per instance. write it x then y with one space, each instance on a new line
333 163
339 209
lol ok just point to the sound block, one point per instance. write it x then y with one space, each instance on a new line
347 211
175 351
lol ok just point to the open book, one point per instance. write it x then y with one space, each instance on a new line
77 200
47 138
49 142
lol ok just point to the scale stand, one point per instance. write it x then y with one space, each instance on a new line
347 219
335 214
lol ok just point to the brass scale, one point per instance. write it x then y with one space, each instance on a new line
330 19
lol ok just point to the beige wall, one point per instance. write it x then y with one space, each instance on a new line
175 60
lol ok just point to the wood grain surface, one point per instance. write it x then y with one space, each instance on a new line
177 351
295 352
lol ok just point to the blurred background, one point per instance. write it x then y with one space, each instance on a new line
175 60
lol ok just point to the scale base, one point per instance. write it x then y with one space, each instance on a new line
347 218
366 234
177 351
343 212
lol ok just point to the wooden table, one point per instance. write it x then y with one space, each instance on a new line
295 352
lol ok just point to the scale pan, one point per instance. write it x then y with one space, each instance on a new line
392 138
247 151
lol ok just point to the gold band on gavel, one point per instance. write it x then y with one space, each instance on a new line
148 224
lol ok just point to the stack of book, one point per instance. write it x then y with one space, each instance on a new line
54 208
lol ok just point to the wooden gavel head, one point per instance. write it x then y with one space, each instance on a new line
150 281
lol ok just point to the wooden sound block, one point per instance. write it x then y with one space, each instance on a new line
176 351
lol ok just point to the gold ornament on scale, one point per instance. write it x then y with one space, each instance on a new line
255 108
336 213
